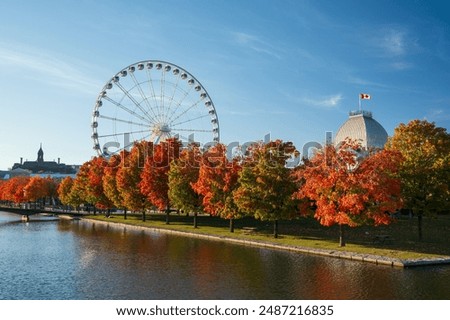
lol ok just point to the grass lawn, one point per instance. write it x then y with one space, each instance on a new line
307 232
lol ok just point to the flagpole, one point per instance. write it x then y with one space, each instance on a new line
359 100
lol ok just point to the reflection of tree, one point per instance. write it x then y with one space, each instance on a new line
127 263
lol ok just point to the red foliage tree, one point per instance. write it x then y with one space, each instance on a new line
347 189
218 177
154 182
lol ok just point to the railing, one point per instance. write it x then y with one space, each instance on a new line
358 112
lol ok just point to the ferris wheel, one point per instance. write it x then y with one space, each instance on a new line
152 100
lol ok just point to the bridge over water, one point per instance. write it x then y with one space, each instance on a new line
27 212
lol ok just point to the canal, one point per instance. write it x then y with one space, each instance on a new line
47 258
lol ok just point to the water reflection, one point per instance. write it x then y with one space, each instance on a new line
173 267
46 259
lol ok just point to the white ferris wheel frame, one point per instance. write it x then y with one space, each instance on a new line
159 100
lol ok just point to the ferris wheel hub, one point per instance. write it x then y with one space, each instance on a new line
161 129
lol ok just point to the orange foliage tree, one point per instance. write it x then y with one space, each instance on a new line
13 189
128 177
64 191
2 187
95 193
88 185
40 188
110 181
348 189
154 182
217 179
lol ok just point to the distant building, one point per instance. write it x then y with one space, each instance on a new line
44 168
361 126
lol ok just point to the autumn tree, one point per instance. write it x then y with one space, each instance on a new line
88 184
35 189
78 192
265 183
217 180
51 185
40 188
109 181
95 192
349 189
154 182
64 191
129 176
183 173
2 187
13 190
425 171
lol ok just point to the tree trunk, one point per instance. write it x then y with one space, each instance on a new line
341 236
125 214
195 220
275 229
419 224
231 225
143 214
167 215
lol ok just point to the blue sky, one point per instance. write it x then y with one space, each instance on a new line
289 68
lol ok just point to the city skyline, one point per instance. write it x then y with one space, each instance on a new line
291 69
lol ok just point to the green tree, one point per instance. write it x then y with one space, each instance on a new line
265 185
182 174
425 171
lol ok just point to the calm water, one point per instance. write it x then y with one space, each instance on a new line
51 259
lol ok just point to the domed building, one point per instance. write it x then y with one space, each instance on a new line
361 126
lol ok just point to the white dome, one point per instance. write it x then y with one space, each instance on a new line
362 127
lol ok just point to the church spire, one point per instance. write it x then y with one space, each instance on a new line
40 158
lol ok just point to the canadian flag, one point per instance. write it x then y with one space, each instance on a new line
364 96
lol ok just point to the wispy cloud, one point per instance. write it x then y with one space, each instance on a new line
395 44
393 41
324 102
255 43
401 65
352 79
438 115
45 67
